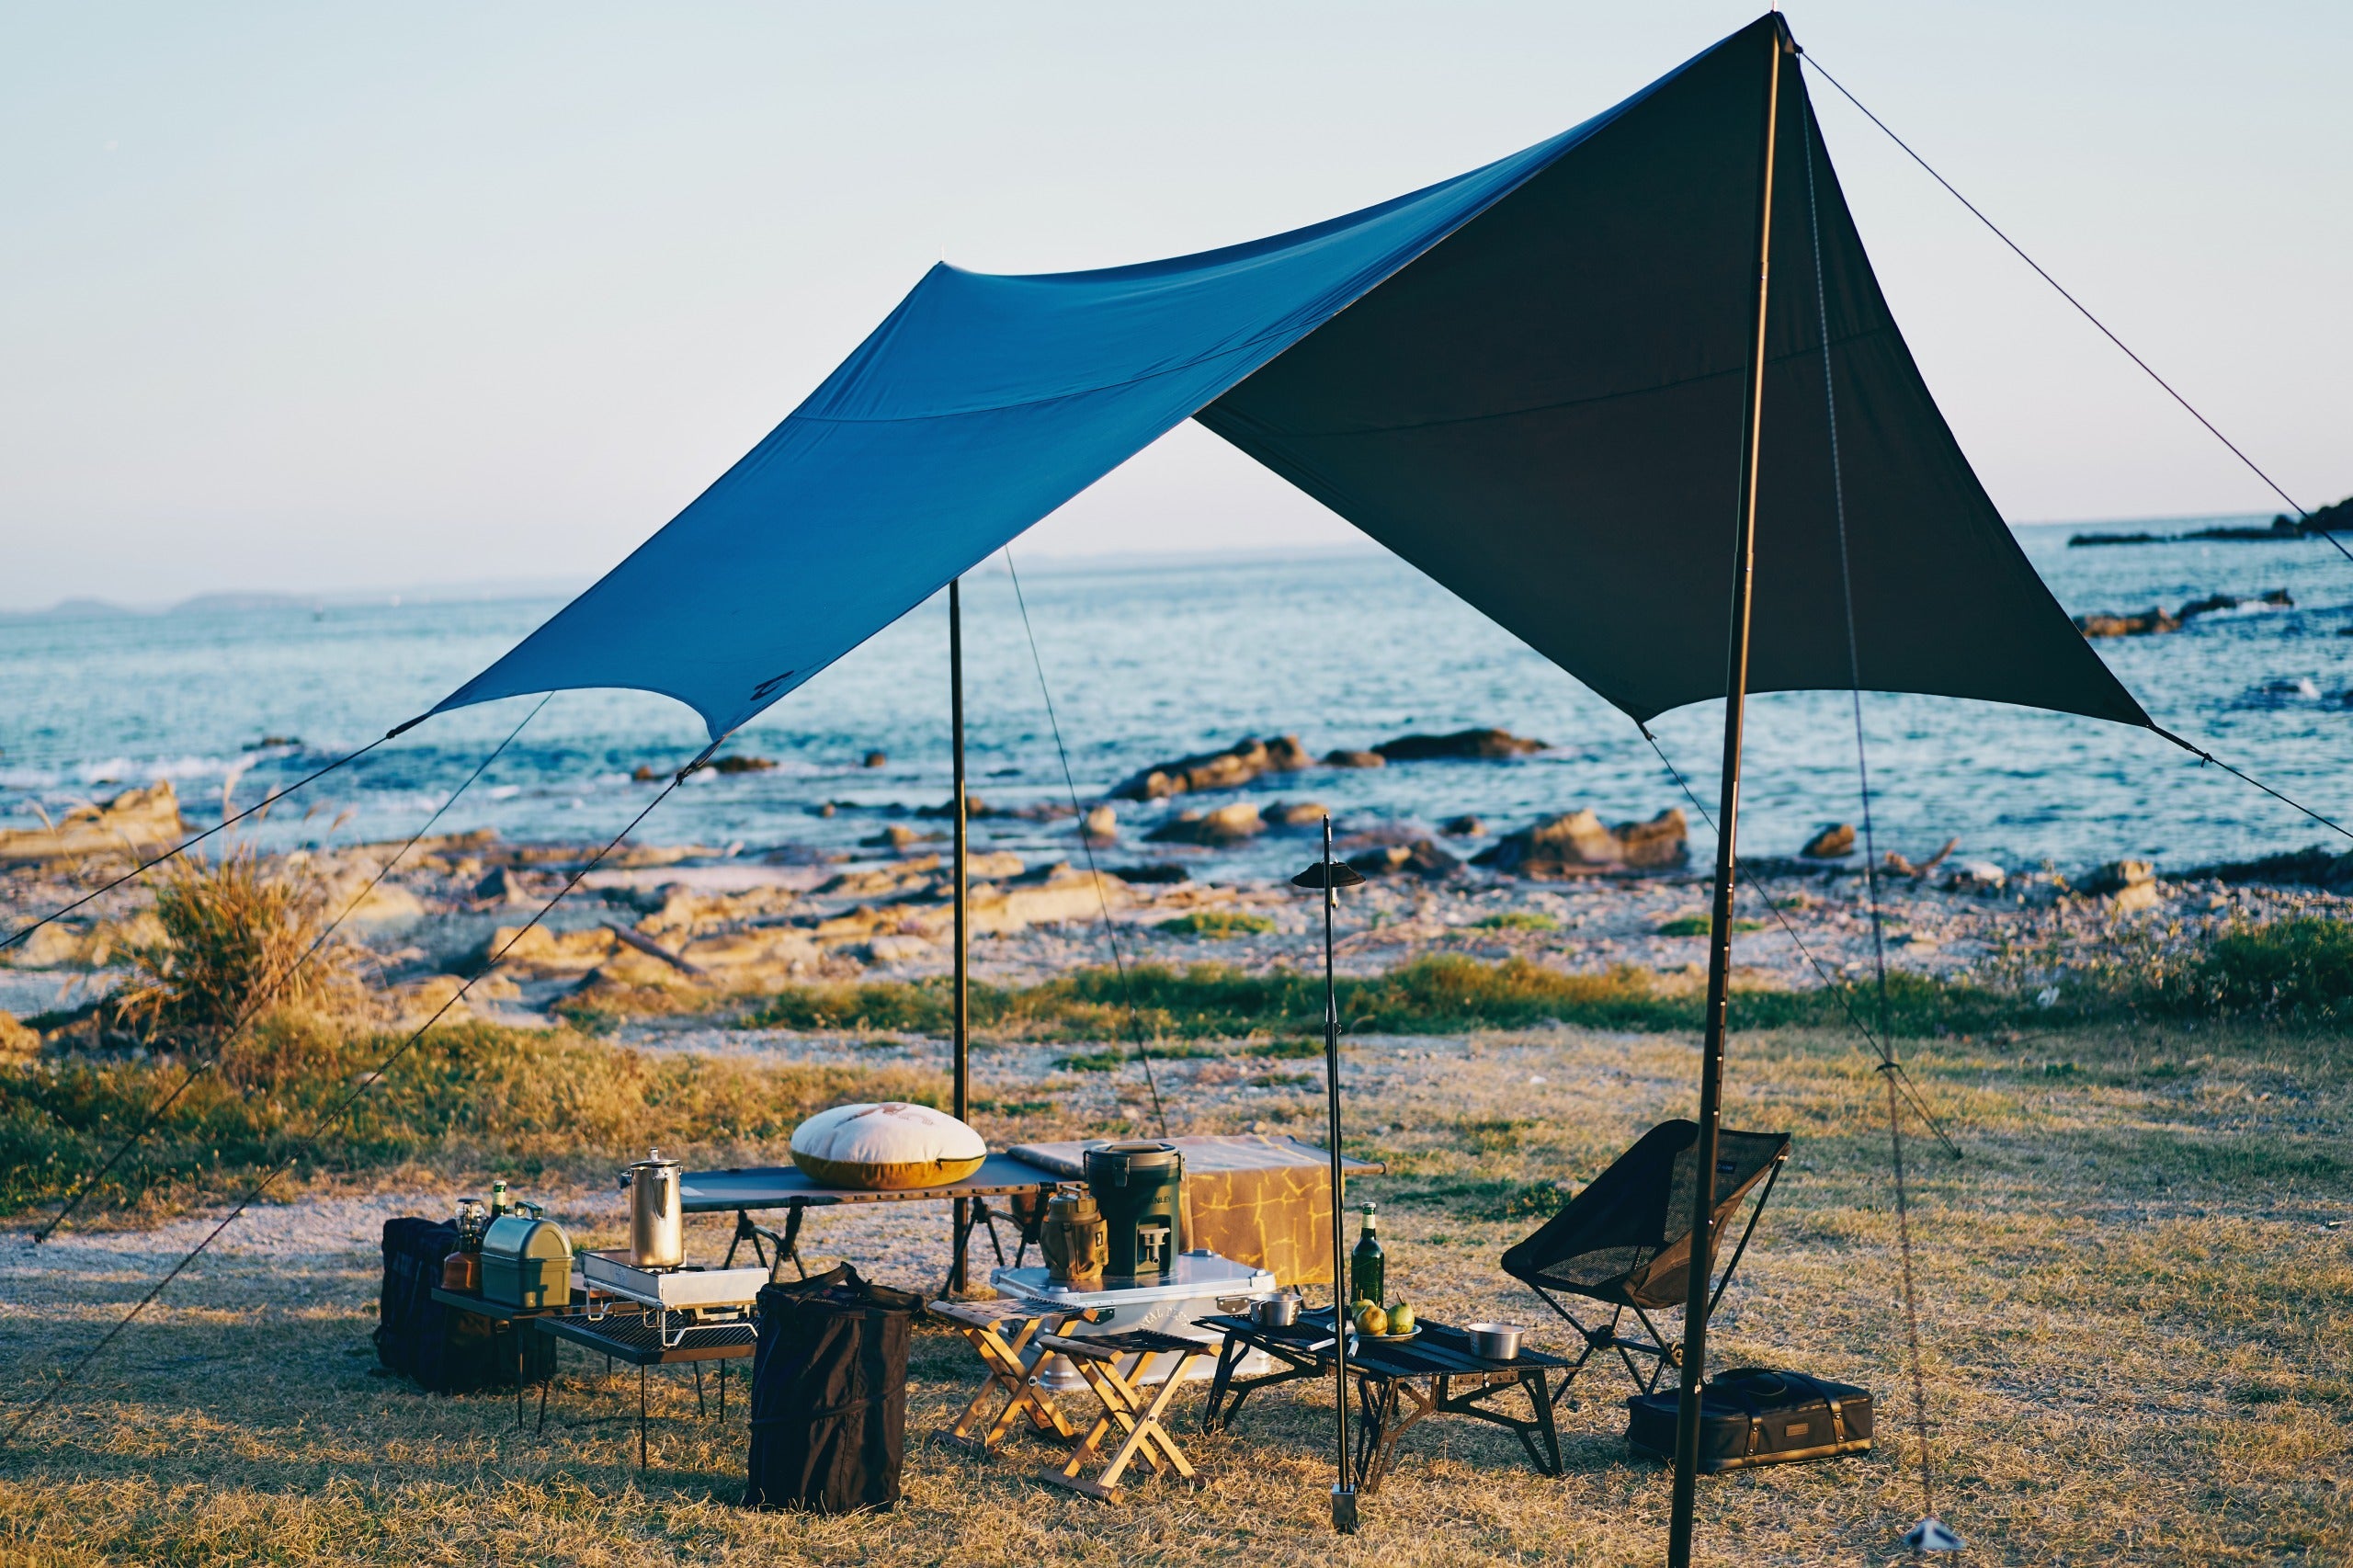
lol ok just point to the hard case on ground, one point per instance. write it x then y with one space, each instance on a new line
1757 1415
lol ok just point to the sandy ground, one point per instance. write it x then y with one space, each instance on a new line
2137 1287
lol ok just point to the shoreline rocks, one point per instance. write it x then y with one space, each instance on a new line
1227 824
1575 844
1462 745
1236 766
135 822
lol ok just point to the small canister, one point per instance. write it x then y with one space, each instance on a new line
1076 1241
657 1224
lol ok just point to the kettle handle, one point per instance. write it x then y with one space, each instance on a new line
536 1211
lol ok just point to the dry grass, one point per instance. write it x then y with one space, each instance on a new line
2140 1320
237 937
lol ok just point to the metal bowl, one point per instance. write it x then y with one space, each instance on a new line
1274 1312
1495 1341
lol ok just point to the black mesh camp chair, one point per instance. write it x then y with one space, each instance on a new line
1625 1241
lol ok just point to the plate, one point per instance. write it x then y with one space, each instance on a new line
1412 1332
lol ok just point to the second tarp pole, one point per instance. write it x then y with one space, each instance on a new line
1712 1050
1343 1493
962 1069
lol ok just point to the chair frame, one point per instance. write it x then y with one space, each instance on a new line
1665 1352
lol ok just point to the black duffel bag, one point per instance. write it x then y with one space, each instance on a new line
1754 1416
829 1394
442 1349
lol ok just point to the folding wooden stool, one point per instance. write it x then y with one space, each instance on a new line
1128 1402
1013 1369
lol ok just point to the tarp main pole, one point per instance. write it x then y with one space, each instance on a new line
962 1069
1711 1050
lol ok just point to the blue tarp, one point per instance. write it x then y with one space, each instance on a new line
1535 398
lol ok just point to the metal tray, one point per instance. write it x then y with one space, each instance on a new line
671 1289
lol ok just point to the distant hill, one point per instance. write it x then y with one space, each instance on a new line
243 604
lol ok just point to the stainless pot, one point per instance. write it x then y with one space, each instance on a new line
657 1224
1494 1341
1274 1312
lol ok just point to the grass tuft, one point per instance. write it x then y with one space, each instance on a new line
1217 924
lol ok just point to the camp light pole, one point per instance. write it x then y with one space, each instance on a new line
1331 876
961 1034
1712 1048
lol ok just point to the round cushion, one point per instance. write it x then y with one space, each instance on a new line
886 1147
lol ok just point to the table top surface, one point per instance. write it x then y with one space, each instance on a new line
1196 1276
626 1337
482 1306
779 1187
1440 1350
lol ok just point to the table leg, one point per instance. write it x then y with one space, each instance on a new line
791 1246
543 1391
641 1416
699 1410
1229 1355
1539 1395
722 1392
518 1373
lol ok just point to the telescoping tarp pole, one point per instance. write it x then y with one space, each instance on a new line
1711 1050
961 1033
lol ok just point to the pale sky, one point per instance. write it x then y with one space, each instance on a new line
337 297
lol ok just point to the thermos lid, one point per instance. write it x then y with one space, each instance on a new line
653 1161
1138 1155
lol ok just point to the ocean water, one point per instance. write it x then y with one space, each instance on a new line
1148 662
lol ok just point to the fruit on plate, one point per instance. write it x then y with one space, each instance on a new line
1372 1320
1400 1319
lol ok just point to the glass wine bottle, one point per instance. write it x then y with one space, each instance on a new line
1366 1269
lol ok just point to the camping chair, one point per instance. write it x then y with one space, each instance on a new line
1625 1241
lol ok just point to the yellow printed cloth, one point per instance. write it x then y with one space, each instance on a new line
1260 1200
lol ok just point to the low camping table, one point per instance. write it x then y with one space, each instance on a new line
503 1319
629 1335
1398 1382
788 1187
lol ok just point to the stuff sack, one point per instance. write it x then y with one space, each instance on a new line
829 1394
1754 1416
439 1349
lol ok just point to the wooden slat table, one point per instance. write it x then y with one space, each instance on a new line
1398 1383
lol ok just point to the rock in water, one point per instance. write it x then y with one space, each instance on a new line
878 759
1832 842
1345 758
1101 826
646 773
1478 746
137 821
1577 845
1464 826
1297 813
1227 770
1420 856
1227 824
741 765
2144 623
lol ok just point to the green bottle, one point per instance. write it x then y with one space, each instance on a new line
497 1198
1367 1269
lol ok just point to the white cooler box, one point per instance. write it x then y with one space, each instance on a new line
1167 1306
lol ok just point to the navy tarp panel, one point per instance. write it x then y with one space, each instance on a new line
1525 379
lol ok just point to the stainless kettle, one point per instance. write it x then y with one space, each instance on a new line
657 1224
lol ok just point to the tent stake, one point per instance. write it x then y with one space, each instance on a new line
1711 1050
962 1071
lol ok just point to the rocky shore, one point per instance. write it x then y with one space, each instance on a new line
660 931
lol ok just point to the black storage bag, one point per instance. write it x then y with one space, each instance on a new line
829 1394
1754 1416
442 1349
